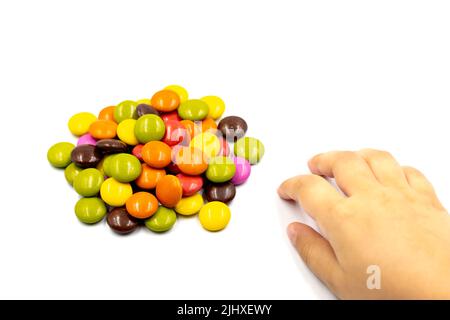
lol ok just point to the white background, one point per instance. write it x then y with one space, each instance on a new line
309 76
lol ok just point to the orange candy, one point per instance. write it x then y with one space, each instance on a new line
142 205
209 124
156 154
149 177
190 161
107 114
191 127
169 191
103 129
165 101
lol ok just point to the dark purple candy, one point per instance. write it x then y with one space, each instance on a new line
145 109
223 192
110 146
121 222
86 156
233 127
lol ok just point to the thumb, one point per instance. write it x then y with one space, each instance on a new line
317 254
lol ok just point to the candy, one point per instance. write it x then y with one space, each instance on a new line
169 191
107 113
223 192
137 151
79 123
243 170
165 101
86 139
142 205
88 182
125 110
214 216
216 106
151 159
156 154
124 167
110 146
149 177
190 184
59 155
193 109
190 205
207 142
190 161
175 133
168 116
143 109
71 172
86 156
90 210
103 129
149 127
163 220
220 169
249 148
233 127
180 91
121 222
115 193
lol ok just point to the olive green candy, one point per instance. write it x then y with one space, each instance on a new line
249 148
88 182
107 165
125 110
193 109
124 167
149 127
220 169
59 154
71 172
162 220
90 210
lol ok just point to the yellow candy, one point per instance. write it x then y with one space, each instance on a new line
214 216
115 193
79 123
207 142
125 132
216 106
190 205
143 101
180 91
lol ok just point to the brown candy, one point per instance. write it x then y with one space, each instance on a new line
233 127
145 109
121 222
223 192
86 156
110 146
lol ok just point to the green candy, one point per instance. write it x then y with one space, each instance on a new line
193 109
149 127
220 169
107 165
90 210
88 182
249 148
59 154
71 172
125 110
162 220
124 167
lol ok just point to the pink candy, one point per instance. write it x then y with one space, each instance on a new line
243 170
86 139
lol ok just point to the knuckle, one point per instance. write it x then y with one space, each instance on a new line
347 156
412 171
376 154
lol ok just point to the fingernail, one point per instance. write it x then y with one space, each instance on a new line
292 234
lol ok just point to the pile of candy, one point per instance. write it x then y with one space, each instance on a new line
145 161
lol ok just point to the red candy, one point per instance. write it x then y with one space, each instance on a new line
175 133
190 184
167 116
137 152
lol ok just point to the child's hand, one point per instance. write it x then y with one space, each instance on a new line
391 219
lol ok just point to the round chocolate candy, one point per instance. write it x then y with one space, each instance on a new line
233 127
121 222
86 156
110 146
145 109
223 192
